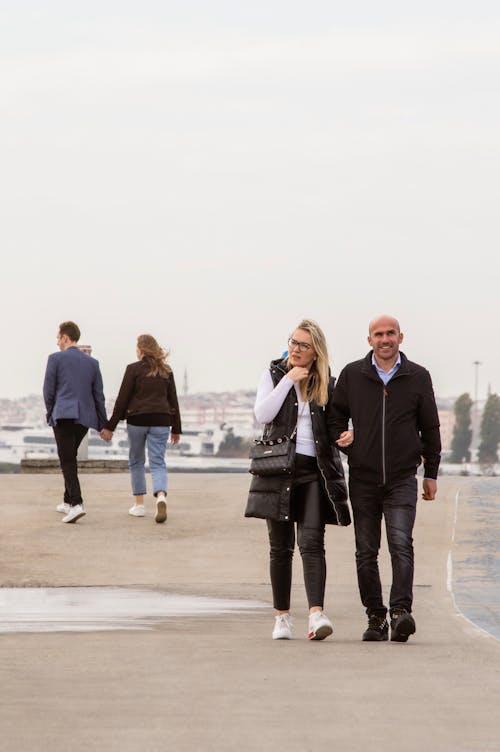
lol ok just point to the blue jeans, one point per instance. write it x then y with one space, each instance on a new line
397 503
156 438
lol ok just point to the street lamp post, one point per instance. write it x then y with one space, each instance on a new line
83 449
476 364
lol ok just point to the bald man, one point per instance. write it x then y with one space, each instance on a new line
395 426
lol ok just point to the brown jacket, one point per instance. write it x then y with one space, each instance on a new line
140 394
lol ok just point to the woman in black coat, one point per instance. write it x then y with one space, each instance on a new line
294 396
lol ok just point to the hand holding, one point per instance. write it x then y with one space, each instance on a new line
106 434
345 439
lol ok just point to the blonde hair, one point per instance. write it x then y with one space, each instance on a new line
153 355
316 387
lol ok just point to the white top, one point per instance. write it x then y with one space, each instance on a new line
269 401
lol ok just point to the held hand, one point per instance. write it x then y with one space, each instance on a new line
106 434
175 438
345 439
298 373
429 489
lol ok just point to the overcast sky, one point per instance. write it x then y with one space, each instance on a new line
212 172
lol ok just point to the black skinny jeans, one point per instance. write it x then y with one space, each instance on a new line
307 511
68 436
397 503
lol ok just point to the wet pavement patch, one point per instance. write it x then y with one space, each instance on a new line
90 609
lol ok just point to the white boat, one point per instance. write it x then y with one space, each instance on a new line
18 442
22 441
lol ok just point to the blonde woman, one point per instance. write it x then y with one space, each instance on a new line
296 392
148 401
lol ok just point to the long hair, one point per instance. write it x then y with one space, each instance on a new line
316 387
154 356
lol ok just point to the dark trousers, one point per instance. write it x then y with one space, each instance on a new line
307 508
69 435
397 503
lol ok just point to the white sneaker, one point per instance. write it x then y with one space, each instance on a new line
161 508
320 626
282 627
63 507
137 510
74 513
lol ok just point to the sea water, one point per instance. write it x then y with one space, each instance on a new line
476 556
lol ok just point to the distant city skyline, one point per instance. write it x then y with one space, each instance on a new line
181 385
234 409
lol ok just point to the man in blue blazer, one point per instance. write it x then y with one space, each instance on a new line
74 400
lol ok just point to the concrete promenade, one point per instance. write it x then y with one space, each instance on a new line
220 683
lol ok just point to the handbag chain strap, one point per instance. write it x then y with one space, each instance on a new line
292 435
298 416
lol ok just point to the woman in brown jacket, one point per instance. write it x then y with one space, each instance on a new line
148 401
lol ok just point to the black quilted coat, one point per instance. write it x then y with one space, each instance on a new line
270 497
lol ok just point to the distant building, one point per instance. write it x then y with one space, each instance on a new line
208 409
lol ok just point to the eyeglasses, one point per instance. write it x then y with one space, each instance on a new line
302 346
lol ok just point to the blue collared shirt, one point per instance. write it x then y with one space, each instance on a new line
386 376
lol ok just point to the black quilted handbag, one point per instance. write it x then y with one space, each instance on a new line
272 456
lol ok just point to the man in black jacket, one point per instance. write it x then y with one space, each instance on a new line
395 425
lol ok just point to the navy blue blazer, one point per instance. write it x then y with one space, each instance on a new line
73 389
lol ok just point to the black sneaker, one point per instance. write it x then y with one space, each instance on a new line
378 629
402 625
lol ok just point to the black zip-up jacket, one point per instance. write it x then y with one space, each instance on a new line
395 426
